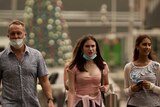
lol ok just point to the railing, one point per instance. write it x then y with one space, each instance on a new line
81 18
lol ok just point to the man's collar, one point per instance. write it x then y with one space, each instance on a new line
9 50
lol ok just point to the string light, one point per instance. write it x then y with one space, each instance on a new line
47 30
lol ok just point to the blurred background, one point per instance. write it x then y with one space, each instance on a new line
54 26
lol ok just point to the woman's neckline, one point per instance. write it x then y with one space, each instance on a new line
141 66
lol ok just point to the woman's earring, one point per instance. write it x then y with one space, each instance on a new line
137 49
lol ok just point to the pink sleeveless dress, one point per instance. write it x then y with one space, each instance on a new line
86 85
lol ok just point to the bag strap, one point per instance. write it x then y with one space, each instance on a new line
102 93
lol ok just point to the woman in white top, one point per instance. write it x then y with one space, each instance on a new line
142 76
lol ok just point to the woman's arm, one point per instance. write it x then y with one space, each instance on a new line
154 88
151 86
105 78
71 83
127 87
65 78
105 85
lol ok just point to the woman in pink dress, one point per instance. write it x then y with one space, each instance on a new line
84 74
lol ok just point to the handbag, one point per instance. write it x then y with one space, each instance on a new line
110 99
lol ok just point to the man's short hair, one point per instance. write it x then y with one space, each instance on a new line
16 22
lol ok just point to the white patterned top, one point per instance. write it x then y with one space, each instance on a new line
143 98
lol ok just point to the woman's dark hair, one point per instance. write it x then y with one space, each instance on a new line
78 59
139 39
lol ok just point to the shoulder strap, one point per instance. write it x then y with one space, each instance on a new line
101 77
102 93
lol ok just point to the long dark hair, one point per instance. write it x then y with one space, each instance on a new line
78 59
139 39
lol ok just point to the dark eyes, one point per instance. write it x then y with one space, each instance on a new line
90 46
146 44
14 33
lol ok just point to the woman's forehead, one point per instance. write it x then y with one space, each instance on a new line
90 41
146 40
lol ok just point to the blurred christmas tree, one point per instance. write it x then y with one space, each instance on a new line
47 30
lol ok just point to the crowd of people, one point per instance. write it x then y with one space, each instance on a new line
85 75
